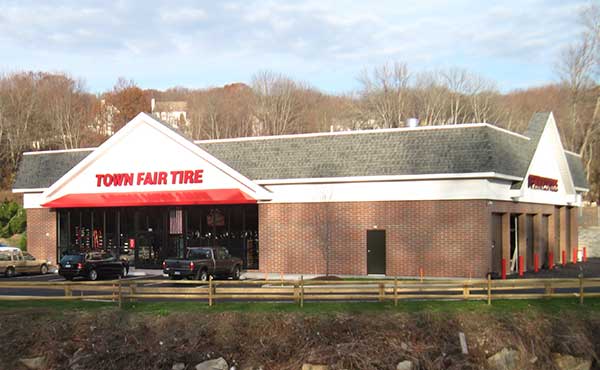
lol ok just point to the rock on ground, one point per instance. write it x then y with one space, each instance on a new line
178 366
218 364
567 362
34 363
314 367
506 359
405 365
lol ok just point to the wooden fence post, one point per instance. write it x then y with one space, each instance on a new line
120 295
296 292
381 292
396 292
489 289
466 291
210 291
548 289
580 288
301 290
68 291
132 289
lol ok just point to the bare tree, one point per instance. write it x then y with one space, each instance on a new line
278 107
221 112
384 92
20 101
456 80
70 109
431 98
481 93
578 68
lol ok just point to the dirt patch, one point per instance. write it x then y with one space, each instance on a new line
112 339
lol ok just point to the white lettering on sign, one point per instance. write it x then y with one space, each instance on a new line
150 178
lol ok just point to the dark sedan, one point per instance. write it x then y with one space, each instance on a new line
92 266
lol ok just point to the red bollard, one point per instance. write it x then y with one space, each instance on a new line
575 252
584 254
504 269
521 265
564 258
536 262
550 260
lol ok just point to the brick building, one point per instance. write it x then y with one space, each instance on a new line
457 200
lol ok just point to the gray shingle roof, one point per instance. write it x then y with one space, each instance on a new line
44 169
577 170
461 149
465 149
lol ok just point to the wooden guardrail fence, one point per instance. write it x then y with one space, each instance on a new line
302 290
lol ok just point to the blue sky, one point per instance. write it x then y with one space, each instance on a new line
160 44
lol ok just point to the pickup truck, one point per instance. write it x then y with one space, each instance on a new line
202 262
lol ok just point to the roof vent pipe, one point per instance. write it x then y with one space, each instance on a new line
412 122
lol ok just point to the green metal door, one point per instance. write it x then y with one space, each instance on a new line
376 252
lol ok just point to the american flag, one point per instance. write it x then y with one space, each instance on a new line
176 221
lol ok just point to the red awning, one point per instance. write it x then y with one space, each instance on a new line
154 198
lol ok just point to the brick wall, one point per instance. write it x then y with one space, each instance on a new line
445 238
41 233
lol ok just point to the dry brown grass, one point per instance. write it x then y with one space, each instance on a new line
112 339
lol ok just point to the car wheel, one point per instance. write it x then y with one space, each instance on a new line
10 272
43 269
202 275
124 272
93 275
235 275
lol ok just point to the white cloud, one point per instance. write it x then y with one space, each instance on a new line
182 15
237 38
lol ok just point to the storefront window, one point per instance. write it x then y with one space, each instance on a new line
64 241
147 235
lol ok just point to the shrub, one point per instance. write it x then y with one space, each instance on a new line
23 242
13 219
17 224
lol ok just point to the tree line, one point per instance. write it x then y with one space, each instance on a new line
40 110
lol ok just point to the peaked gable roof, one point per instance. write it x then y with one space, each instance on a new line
138 141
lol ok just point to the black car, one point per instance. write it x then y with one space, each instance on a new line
92 266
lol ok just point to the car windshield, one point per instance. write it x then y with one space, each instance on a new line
73 258
199 254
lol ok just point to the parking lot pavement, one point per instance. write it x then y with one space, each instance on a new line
38 277
591 268
56 277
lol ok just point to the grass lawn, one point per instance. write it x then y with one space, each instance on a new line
553 306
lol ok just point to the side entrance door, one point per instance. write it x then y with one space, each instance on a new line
376 252
496 247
